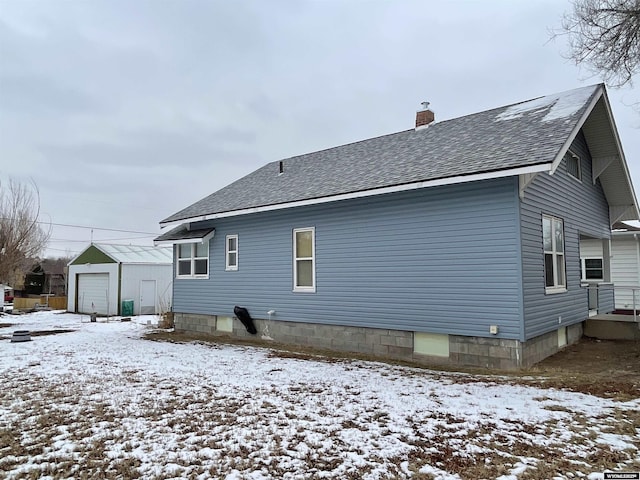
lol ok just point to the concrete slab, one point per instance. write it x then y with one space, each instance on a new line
610 327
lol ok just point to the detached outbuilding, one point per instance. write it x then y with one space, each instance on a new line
104 276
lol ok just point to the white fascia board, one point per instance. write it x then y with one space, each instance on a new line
576 129
176 242
147 263
544 167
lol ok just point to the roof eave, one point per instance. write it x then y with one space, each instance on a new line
623 160
601 93
542 167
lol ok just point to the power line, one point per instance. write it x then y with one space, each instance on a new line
100 240
97 228
91 228
62 250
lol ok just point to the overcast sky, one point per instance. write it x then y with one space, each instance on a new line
124 112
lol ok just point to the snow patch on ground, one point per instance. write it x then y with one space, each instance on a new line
103 400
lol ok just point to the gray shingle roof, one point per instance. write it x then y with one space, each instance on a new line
520 135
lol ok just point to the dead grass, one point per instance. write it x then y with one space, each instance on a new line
81 429
607 369
217 418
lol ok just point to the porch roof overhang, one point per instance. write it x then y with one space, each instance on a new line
626 233
185 234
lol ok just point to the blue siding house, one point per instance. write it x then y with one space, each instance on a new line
454 241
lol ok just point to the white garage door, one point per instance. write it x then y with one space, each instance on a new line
93 293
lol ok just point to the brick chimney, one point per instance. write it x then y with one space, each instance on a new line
424 117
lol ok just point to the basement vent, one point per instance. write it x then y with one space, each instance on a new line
434 344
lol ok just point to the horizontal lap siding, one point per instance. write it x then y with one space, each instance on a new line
134 274
605 299
584 209
624 270
443 259
591 248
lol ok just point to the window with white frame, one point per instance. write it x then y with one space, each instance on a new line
573 165
304 268
554 267
231 252
193 260
592 269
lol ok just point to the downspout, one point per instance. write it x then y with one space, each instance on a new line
633 292
635 235
519 198
118 312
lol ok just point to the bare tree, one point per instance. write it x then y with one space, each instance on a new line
21 236
605 35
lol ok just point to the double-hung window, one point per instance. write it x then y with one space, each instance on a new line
231 252
554 267
304 263
193 260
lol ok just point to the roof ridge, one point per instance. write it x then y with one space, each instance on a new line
435 123
408 156
555 94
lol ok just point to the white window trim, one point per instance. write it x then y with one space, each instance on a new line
583 269
228 267
312 288
192 259
577 157
555 288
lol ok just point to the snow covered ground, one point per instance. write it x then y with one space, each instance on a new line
104 402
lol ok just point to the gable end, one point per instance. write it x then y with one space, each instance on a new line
92 255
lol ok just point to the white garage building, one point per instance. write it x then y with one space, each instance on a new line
104 276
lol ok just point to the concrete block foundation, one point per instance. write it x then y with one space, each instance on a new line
483 352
